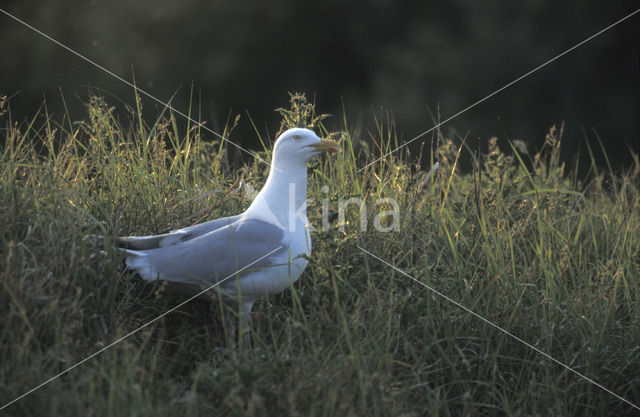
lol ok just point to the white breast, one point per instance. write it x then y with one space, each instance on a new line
284 271
270 280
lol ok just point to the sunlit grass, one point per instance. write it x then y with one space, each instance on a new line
554 260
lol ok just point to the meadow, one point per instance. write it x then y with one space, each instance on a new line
549 256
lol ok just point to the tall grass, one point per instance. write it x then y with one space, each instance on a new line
551 259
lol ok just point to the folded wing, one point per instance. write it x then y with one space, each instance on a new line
210 256
174 236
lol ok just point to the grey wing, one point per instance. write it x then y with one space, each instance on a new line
213 256
174 236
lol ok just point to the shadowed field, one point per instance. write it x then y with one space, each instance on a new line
552 258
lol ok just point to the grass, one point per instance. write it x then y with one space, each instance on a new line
531 248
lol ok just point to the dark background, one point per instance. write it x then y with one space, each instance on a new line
243 57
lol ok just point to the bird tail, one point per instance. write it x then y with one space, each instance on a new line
140 262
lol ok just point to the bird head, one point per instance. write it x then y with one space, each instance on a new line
300 144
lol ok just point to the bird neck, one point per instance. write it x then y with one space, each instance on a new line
283 196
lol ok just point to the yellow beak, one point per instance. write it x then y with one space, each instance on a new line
326 145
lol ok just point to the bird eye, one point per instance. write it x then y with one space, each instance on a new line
297 138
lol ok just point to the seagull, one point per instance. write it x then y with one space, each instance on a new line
247 256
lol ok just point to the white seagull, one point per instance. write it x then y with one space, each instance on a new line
244 257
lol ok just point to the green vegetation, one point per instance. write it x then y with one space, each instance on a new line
552 260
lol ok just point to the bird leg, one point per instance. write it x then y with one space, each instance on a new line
238 326
245 325
230 327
